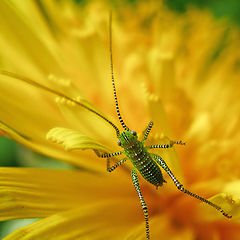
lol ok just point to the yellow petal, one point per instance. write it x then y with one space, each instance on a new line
164 76
53 150
41 124
106 219
158 115
11 133
201 125
168 230
226 202
20 33
72 139
233 188
233 191
33 193
87 122
161 228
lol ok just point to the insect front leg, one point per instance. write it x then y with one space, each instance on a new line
163 164
110 169
144 206
170 145
108 156
147 131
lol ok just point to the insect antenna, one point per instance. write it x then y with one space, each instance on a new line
113 82
52 91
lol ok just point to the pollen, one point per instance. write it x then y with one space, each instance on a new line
59 81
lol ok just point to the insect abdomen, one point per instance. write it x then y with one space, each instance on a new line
142 160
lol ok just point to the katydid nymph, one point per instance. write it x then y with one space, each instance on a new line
143 161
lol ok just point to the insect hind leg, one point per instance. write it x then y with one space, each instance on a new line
144 206
163 164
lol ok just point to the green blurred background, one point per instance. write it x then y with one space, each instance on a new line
12 154
220 8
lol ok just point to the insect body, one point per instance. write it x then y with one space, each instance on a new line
135 150
141 158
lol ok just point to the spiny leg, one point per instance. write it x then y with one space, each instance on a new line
147 131
163 164
107 155
144 206
166 145
110 169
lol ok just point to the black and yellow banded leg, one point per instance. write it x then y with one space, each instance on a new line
147 131
170 145
107 155
163 164
144 206
110 169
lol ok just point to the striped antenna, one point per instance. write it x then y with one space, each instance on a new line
113 82
45 88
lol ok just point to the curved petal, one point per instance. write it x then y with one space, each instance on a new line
86 122
228 199
33 193
72 139
228 204
82 159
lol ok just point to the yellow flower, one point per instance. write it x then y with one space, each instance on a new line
181 71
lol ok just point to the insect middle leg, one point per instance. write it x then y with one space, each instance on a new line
170 145
163 164
144 206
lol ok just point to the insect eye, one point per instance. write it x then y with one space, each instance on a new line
119 143
133 133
